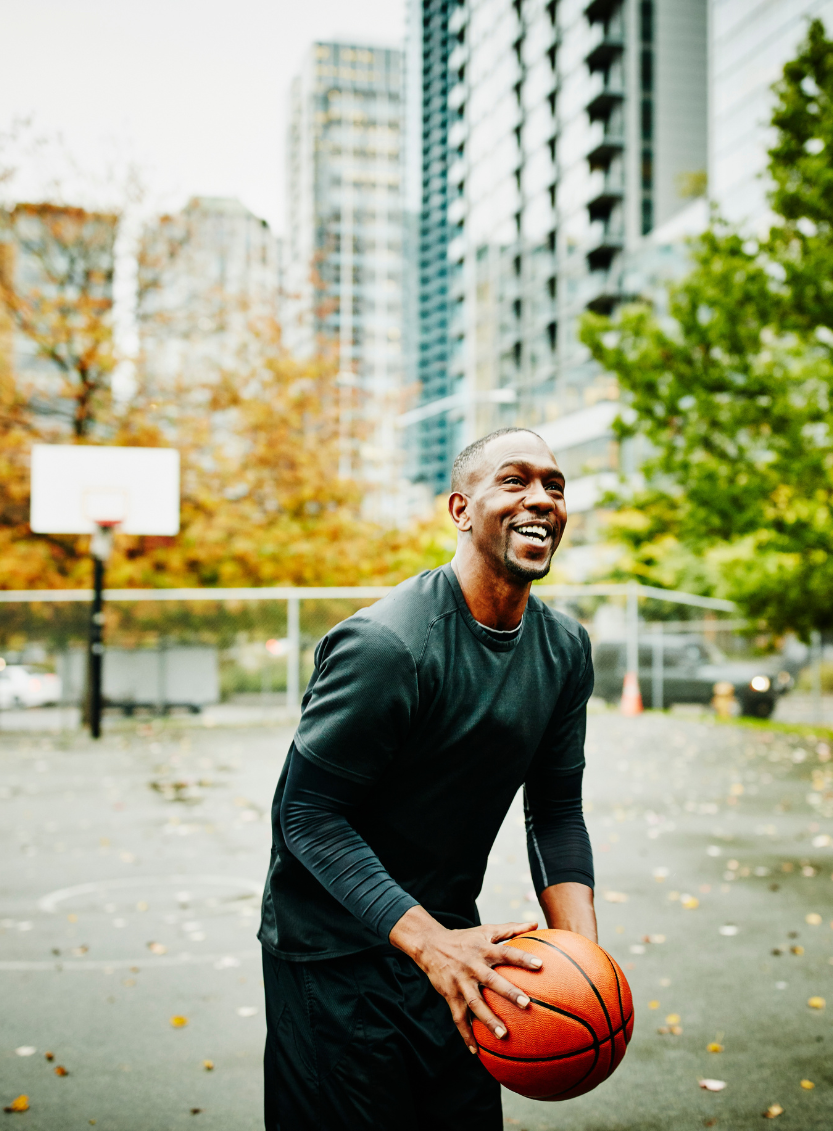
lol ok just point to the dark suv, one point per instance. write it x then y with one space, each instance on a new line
685 669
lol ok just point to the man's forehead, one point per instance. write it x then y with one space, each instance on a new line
519 447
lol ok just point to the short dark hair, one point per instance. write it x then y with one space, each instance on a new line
469 457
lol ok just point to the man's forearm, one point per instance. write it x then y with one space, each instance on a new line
569 907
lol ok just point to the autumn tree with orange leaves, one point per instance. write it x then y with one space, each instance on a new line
262 500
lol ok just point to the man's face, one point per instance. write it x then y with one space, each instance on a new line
516 505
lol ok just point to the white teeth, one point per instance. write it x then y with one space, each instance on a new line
536 531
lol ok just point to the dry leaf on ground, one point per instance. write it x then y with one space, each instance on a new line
19 1104
816 1002
208 1065
157 948
714 1047
59 1070
179 1022
808 1084
773 1111
713 1085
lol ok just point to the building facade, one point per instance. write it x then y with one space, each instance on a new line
205 276
573 130
751 40
344 254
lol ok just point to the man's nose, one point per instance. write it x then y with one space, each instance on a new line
539 497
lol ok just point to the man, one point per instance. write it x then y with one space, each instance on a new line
424 716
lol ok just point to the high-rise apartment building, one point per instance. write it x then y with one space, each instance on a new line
750 42
344 256
205 275
573 129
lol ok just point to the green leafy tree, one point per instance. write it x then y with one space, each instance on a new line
734 394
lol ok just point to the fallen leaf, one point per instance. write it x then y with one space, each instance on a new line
773 1111
247 1011
814 919
796 950
157 948
26 1050
672 1019
19 1104
615 897
713 1046
816 1002
691 903
179 1022
808 1084
49 1055
79 951
208 1065
653 1005
728 929
196 1110
713 1085
676 1030
59 1070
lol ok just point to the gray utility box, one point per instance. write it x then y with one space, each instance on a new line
154 678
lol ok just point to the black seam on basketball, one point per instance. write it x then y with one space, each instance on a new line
545 1059
618 991
591 984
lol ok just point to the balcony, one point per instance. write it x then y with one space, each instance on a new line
606 192
602 291
609 46
611 141
602 104
600 11
607 238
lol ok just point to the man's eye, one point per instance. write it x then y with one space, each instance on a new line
558 487
514 479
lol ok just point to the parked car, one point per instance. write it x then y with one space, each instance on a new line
21 686
690 668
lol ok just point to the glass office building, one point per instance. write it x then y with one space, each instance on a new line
343 250
573 130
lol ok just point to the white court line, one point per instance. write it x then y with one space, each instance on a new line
144 963
49 903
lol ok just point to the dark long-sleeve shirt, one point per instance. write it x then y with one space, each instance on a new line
430 724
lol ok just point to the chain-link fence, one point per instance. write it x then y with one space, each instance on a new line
191 649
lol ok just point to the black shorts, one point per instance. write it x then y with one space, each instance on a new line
365 1043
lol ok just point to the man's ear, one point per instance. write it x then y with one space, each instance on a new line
458 504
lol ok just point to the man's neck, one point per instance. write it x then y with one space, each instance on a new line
495 600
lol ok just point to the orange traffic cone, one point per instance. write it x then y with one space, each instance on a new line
631 702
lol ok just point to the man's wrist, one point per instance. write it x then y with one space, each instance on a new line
415 931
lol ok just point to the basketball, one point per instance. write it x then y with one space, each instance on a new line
577 1027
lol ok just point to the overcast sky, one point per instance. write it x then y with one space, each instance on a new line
195 90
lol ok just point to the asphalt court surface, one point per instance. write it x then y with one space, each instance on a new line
130 892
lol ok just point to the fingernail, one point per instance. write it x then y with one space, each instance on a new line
473 1050
523 1001
500 1031
536 962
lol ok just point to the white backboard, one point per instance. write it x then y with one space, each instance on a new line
75 487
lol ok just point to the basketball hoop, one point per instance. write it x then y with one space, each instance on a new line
101 543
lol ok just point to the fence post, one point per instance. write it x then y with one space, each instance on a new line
657 669
816 654
293 660
631 703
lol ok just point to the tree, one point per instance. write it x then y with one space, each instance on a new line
735 396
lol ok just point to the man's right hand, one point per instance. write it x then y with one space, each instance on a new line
459 963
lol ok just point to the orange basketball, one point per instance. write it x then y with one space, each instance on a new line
577 1027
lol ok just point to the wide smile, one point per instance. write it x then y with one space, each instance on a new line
535 533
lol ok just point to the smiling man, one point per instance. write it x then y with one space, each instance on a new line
424 716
